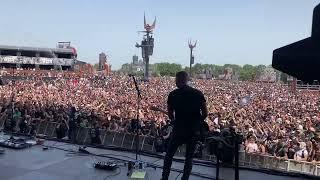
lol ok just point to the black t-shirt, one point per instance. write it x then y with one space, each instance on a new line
186 103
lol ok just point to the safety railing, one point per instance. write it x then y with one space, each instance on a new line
308 87
36 60
128 141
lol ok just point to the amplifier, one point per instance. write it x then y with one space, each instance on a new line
105 166
14 143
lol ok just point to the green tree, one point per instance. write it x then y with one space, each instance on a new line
199 68
168 69
235 68
196 68
126 68
217 70
260 68
248 73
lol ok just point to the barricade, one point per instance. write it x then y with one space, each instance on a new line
268 162
257 160
128 141
271 162
140 142
295 166
102 135
50 130
81 134
148 144
108 138
242 157
87 140
283 164
42 127
37 124
2 121
118 139
302 167
309 168
247 160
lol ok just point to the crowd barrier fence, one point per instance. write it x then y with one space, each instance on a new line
308 87
146 143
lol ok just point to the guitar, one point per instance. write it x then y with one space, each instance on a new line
204 127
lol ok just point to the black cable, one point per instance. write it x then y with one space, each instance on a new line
116 155
161 167
178 176
203 162
112 175
206 163
151 165
156 161
76 154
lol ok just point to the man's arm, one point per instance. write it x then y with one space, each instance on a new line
170 112
204 110
170 107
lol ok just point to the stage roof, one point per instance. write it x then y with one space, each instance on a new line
38 49
301 59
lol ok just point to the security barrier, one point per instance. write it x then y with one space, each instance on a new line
2 121
303 167
129 141
317 173
108 138
42 127
50 130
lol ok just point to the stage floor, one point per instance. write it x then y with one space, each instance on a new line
53 164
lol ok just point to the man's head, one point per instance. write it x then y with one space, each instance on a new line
181 79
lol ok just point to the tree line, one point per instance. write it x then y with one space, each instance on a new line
246 72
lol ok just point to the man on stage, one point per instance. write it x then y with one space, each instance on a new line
186 108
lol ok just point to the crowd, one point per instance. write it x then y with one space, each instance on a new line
273 120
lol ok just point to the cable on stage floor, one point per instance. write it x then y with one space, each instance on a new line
123 160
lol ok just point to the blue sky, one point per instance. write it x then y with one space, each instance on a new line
238 32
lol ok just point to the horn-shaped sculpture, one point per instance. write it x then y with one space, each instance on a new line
191 46
148 27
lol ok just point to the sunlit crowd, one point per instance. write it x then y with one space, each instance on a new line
273 120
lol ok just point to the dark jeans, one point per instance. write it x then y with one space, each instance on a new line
173 145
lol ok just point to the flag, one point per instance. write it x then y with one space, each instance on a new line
245 101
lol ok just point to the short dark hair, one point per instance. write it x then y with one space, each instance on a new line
182 75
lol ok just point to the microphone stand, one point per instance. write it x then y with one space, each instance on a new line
138 166
12 101
136 130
